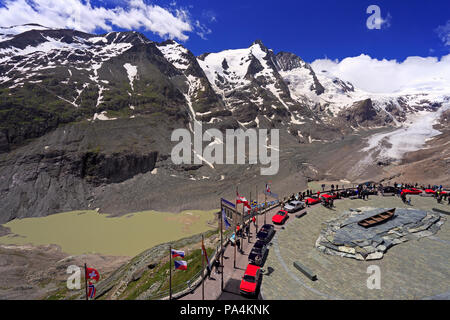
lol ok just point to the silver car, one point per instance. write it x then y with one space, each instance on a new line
293 206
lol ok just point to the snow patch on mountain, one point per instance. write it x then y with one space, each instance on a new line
102 116
131 72
174 53
227 68
13 30
44 47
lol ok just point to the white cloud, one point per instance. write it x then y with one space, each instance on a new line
202 30
444 33
75 14
386 76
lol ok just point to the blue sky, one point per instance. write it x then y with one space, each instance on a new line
311 29
336 29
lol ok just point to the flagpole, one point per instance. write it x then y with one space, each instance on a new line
235 231
251 209
170 272
257 214
242 229
221 244
203 271
265 205
250 221
85 281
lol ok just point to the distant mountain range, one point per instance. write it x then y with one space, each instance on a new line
50 78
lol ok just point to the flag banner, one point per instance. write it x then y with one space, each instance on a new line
177 253
241 199
205 254
92 290
225 220
93 274
228 203
268 192
180 265
273 195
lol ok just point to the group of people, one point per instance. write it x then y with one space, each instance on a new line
408 185
439 195
438 191
403 197
363 192
332 187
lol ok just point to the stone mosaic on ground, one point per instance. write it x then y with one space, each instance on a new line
344 237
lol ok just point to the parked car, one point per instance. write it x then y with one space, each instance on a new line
431 191
389 189
348 193
266 233
411 191
250 281
329 196
312 200
371 191
280 217
258 253
294 206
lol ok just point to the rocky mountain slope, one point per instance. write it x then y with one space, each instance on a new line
86 120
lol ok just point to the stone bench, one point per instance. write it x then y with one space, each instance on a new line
311 275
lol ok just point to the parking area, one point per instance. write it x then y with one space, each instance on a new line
417 269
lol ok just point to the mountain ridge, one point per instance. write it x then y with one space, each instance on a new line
86 120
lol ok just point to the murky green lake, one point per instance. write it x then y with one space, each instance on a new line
79 232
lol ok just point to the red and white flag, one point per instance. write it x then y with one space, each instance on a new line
93 274
241 199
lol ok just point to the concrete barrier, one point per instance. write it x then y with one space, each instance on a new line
311 275
441 211
299 215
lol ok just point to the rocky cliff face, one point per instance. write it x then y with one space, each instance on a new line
362 113
65 169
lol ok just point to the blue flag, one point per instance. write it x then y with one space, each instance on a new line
224 217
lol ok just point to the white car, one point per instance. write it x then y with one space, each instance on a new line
293 206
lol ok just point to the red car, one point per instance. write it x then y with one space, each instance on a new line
312 200
433 191
329 196
280 217
250 280
411 191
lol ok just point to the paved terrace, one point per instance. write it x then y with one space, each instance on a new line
416 269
